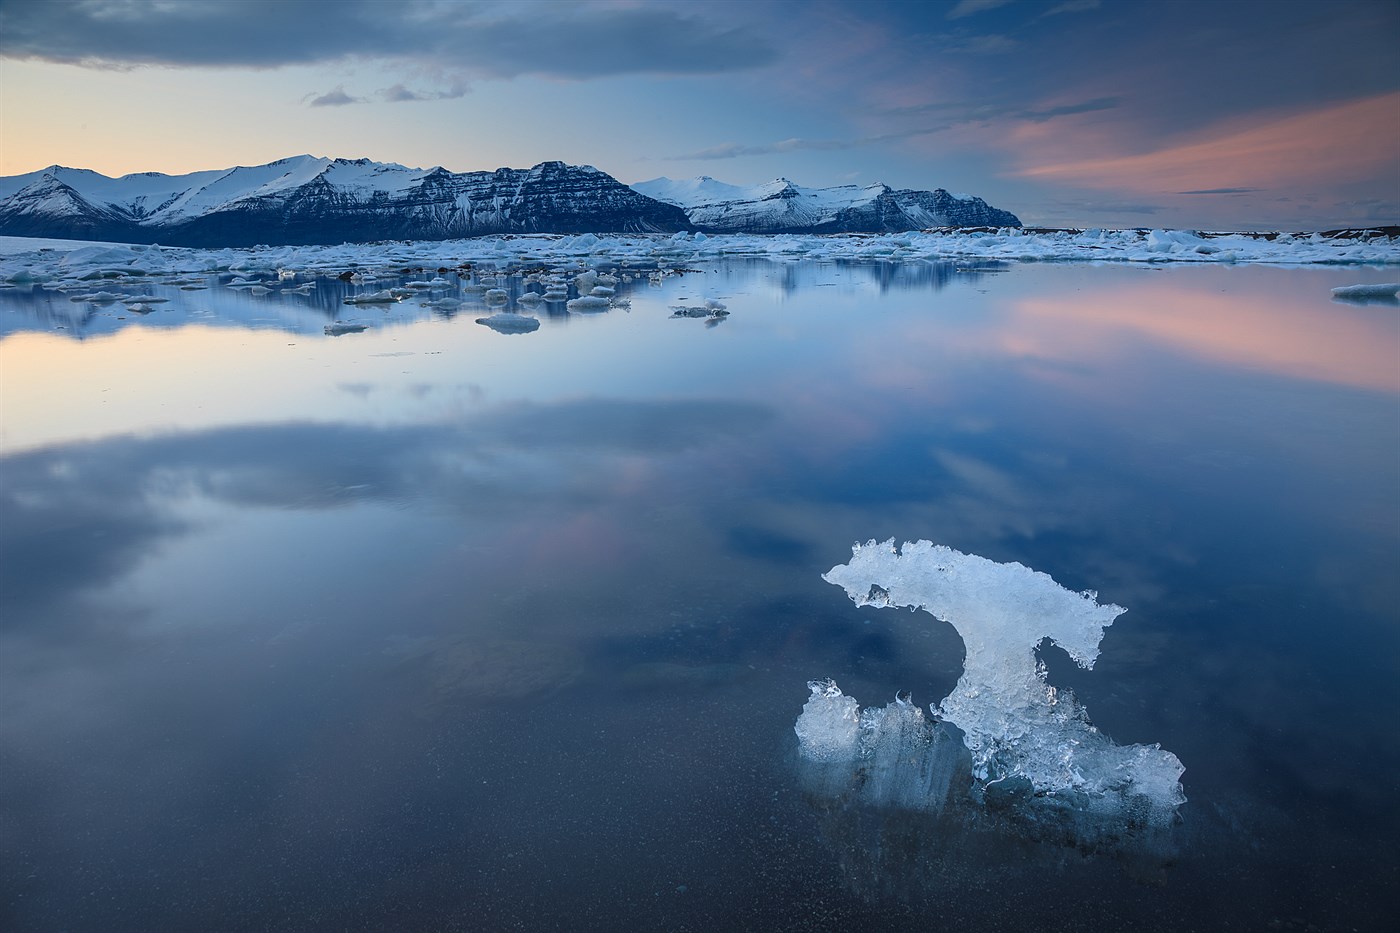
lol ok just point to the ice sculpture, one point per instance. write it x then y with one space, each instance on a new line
1024 735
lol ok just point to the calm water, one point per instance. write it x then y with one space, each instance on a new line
430 627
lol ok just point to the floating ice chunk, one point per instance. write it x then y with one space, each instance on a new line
507 323
336 328
1383 292
496 296
588 304
1020 730
713 310
385 297
601 291
98 298
529 298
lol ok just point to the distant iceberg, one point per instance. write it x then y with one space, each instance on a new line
1027 739
1384 292
507 323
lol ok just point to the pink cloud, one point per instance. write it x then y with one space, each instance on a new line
1342 143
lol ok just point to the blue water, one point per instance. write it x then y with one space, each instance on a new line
430 627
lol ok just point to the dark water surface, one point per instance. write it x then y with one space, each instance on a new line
430 627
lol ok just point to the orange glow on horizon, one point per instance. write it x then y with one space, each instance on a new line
1336 144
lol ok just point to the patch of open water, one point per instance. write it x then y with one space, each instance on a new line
434 627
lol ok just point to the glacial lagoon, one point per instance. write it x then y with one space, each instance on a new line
417 624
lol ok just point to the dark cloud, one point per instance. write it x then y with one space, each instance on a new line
735 150
400 94
562 40
959 114
1222 191
1072 6
1050 113
336 97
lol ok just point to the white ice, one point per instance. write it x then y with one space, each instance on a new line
1364 292
588 304
507 323
1017 726
29 261
385 297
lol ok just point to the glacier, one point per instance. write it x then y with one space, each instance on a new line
1028 740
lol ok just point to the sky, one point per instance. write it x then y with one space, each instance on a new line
1223 114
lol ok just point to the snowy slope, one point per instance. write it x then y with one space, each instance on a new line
307 199
780 206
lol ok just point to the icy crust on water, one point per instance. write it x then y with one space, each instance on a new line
1023 734
24 260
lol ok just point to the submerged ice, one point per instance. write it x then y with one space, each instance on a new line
1024 735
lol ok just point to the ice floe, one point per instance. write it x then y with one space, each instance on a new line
1380 292
588 304
336 328
507 323
1027 739
385 297
30 260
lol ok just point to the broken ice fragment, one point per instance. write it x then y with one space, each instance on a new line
1018 727
336 328
507 323
1386 292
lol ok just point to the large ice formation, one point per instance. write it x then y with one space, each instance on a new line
1021 731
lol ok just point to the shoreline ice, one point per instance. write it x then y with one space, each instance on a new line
26 260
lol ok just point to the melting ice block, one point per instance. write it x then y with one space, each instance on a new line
1019 729
829 727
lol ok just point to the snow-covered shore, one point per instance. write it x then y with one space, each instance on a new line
25 260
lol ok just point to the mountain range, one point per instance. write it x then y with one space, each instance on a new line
779 206
311 200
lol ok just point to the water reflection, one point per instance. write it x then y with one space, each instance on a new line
77 516
299 303
513 629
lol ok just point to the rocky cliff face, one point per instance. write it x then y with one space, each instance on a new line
312 201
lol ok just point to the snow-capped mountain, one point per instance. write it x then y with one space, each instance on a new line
311 200
779 206
306 200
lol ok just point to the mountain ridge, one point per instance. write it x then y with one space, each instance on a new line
781 206
305 200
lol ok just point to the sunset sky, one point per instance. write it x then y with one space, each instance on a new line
1221 114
